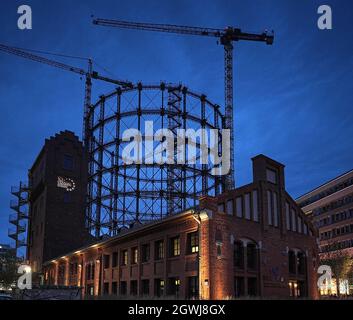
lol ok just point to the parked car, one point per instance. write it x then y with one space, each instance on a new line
4 296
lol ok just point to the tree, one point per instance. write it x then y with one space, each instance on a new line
341 263
8 269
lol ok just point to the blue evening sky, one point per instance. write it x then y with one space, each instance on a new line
293 100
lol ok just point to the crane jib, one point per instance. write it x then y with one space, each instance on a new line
228 34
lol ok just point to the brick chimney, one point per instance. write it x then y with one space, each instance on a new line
268 170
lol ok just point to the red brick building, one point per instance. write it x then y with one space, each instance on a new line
252 241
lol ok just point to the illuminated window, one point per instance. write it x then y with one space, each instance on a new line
193 242
124 258
175 246
134 256
293 289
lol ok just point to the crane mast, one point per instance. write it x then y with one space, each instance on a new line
87 104
226 38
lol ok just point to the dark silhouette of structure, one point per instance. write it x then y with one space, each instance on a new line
57 195
226 37
120 193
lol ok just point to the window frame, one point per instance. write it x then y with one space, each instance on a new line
193 242
175 249
159 252
68 157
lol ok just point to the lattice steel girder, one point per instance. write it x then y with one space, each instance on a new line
120 193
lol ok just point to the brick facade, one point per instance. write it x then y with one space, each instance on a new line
253 240
56 223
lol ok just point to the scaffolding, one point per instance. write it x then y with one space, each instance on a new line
18 219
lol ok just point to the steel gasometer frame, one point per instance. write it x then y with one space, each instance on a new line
121 194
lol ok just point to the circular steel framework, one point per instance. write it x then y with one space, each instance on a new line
121 193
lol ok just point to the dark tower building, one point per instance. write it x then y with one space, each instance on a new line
58 184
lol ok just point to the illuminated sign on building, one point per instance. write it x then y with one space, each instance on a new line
66 183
